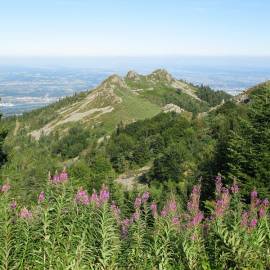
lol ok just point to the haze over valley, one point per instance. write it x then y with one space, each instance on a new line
29 84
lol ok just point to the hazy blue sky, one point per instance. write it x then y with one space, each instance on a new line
134 27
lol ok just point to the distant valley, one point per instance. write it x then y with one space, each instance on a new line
24 89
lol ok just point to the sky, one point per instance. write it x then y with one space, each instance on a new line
77 28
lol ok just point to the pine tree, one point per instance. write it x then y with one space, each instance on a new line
249 148
3 134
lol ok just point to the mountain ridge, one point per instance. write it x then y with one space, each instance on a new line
120 123
116 92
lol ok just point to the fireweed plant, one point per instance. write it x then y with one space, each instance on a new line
70 228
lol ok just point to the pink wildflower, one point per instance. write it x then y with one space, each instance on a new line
234 188
218 185
126 222
222 204
226 199
136 216
263 207
124 228
116 211
257 202
195 215
244 221
219 209
41 197
265 202
25 213
102 198
172 206
59 177
194 237
254 200
175 221
164 212
197 219
154 209
145 197
138 202
56 179
225 190
104 194
254 194
194 202
82 197
262 212
94 198
253 223
13 205
5 188
63 176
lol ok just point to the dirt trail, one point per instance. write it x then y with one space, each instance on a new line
80 110
72 117
203 114
185 88
130 180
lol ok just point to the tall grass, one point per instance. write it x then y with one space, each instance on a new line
71 229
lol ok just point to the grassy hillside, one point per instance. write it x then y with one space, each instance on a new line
132 108
116 99
74 131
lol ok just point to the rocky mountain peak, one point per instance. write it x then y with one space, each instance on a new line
114 81
162 75
132 75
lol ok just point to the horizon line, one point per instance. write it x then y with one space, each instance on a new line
135 56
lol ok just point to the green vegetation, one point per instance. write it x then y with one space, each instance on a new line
175 145
162 94
212 98
64 134
73 143
248 150
3 134
131 108
67 228
40 117
119 132
127 131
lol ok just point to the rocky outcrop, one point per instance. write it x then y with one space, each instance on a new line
245 96
98 102
114 81
161 75
172 108
132 75
242 98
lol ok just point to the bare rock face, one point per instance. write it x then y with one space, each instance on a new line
114 81
242 98
162 75
132 75
246 95
172 108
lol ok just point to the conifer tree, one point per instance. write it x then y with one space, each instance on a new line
3 134
249 148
